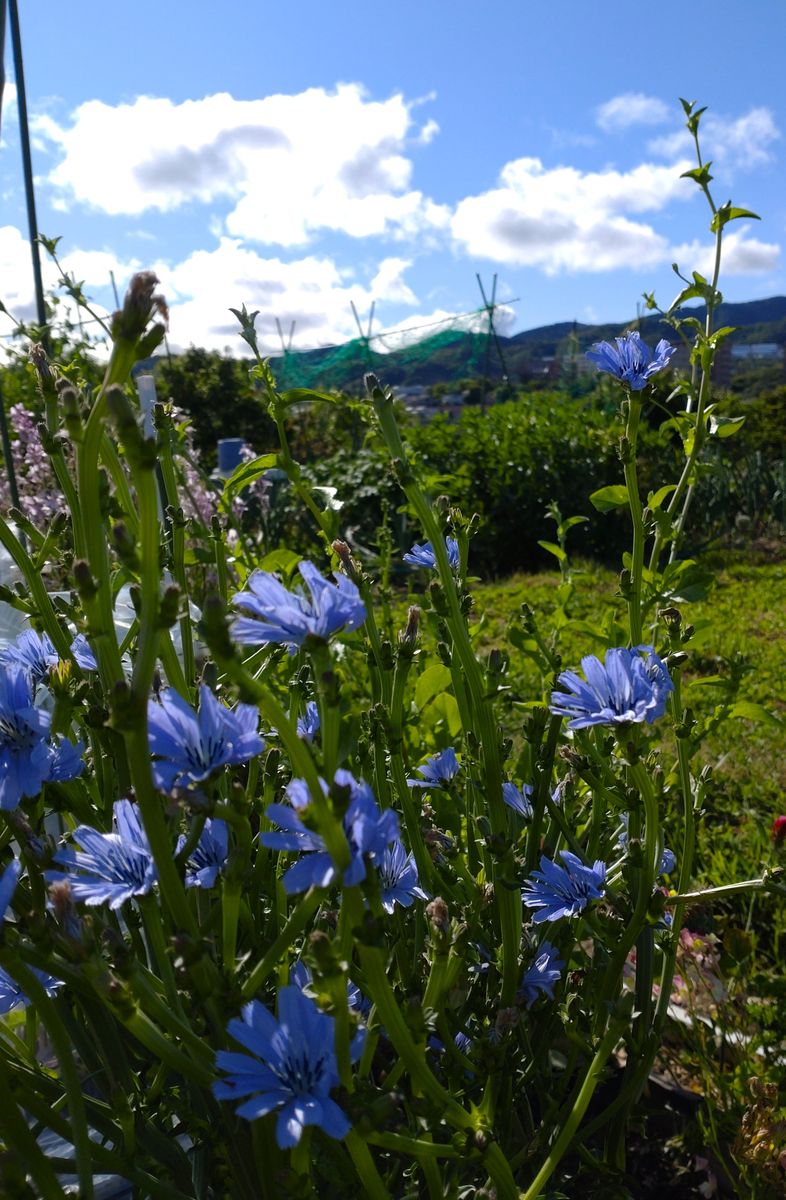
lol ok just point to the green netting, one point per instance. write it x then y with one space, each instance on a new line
440 356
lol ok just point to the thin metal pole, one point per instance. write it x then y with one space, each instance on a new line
27 166
5 437
2 58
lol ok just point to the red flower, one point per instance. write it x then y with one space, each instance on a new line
779 831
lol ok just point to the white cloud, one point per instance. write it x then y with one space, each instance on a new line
288 165
311 291
16 275
631 108
731 143
742 255
563 219
388 283
10 114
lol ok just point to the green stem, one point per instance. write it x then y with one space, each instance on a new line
365 1166
413 1147
728 889
230 913
38 592
17 1135
297 922
485 725
47 1011
303 766
634 502
560 1145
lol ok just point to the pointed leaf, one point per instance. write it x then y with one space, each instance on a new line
247 473
655 499
746 710
726 426
557 551
606 498
435 679
304 395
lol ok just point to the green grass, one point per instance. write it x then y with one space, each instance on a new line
745 616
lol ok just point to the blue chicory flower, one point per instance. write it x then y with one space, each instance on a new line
291 1067
631 360
542 974
437 770
300 976
274 614
462 1041
631 687
28 756
518 799
563 891
114 866
398 878
209 856
37 654
189 748
33 651
80 648
424 556
308 724
11 994
368 832
8 882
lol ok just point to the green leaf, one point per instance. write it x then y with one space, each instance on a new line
747 710
435 679
304 395
700 175
247 473
719 681
726 426
557 551
444 708
606 498
283 561
569 522
655 499
727 213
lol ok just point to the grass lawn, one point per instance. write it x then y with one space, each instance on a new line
741 619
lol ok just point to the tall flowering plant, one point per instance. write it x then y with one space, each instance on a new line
283 944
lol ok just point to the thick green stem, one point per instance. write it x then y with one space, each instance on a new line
47 1011
485 725
297 922
17 1134
562 1142
372 1183
634 502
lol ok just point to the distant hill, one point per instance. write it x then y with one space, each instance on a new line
454 355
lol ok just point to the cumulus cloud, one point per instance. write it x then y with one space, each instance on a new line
311 291
389 284
730 142
563 219
742 255
10 111
631 108
287 165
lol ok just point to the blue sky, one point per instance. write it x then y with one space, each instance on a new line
296 157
